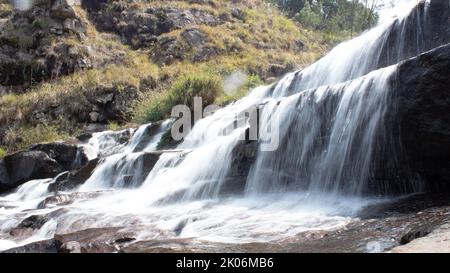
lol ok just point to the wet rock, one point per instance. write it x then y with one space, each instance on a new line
150 160
96 240
67 199
4 177
28 165
47 246
69 156
34 222
436 32
243 157
422 89
70 180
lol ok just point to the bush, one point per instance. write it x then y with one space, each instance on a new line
2 152
308 17
205 85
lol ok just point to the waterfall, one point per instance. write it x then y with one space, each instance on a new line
334 145
330 120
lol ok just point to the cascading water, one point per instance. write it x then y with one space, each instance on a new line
331 119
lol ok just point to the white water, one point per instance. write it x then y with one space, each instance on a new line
331 116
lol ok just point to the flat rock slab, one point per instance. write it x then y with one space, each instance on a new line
438 241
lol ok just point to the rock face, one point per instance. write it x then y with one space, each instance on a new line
68 156
70 180
141 28
38 162
423 92
38 44
26 54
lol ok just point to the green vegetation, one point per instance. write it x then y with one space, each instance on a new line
2 152
338 17
183 91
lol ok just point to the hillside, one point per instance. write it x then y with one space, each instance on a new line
68 67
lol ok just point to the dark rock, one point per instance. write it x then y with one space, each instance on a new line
168 50
69 156
278 70
95 240
422 89
47 246
38 45
33 222
194 37
238 14
141 28
71 180
112 103
4 177
84 137
28 165
205 53
243 157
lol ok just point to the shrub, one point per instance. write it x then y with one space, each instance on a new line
205 85
2 152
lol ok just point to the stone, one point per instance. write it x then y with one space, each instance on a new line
71 180
69 156
28 165
194 37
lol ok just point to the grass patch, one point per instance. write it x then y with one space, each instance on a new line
23 137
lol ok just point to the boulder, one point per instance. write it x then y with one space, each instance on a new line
194 37
28 165
69 156
45 160
70 180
